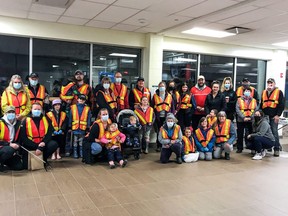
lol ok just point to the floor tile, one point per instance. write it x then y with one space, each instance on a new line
79 201
102 198
114 210
29 207
26 191
123 195
7 208
55 205
48 188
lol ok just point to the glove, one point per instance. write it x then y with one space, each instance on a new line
55 132
60 132
206 149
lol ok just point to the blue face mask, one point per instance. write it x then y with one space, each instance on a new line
17 85
162 89
36 113
247 93
33 82
105 118
11 116
227 86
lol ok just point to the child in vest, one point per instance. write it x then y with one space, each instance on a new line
113 139
79 121
132 129
212 117
189 152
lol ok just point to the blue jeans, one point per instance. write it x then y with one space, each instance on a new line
259 143
274 128
96 148
114 154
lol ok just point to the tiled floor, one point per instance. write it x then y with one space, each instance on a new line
146 187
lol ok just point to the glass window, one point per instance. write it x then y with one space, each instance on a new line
14 58
286 92
216 68
55 61
180 67
110 59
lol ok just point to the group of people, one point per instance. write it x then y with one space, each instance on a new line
204 115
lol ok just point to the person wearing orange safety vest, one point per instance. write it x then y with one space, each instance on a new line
163 103
137 93
105 98
59 121
36 135
38 93
211 118
204 139
170 137
9 141
273 104
16 95
79 122
146 117
225 136
120 92
245 84
189 150
246 107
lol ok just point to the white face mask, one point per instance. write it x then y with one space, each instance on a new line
106 85
33 82
105 117
118 79
162 89
170 124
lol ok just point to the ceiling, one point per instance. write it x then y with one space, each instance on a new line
268 19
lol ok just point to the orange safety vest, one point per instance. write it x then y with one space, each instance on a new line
18 101
112 136
120 97
55 124
5 134
101 127
272 101
178 97
247 109
240 91
186 102
223 134
110 99
162 105
164 133
64 91
79 123
36 134
138 94
39 97
146 117
204 140
211 121
189 145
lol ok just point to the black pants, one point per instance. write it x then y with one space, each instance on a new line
114 154
195 121
8 158
240 133
159 123
166 152
61 141
184 117
259 143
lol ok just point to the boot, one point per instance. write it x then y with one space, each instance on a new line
227 156
80 152
75 153
146 151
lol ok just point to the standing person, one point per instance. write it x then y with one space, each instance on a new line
137 93
189 151
162 102
146 118
36 134
215 100
205 140
9 140
262 137
246 84
16 95
170 137
59 121
172 89
186 107
245 109
38 93
230 97
200 92
225 136
79 122
120 92
273 104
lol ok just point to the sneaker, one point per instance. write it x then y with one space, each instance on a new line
257 156
276 153
112 166
124 163
239 151
263 153
178 160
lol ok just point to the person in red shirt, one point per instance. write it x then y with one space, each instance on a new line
200 92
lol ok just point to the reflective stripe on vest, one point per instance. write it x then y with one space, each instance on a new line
240 91
110 100
39 97
120 97
211 121
64 91
4 132
79 122
36 134
186 102
162 105
175 134
204 141
189 146
138 95
18 101
113 137
247 109
101 128
55 125
223 134
272 100
146 117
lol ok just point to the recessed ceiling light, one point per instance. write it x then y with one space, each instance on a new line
281 44
208 32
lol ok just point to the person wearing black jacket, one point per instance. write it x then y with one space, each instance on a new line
137 93
230 97
9 141
36 134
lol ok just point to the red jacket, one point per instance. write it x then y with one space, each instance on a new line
200 97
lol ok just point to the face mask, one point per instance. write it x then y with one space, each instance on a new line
171 88
257 118
105 118
33 82
170 124
118 80
17 85
106 85
247 94
227 86
36 113
161 89
11 116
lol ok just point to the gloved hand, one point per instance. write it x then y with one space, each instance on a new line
55 132
206 149
60 132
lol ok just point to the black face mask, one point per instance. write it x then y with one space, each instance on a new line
257 118
171 88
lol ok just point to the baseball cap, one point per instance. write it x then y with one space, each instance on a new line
78 72
56 101
140 79
201 77
271 80
34 75
82 96
245 79
9 108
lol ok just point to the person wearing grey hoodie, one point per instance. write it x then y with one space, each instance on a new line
262 137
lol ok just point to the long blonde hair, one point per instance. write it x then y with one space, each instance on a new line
223 83
16 76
